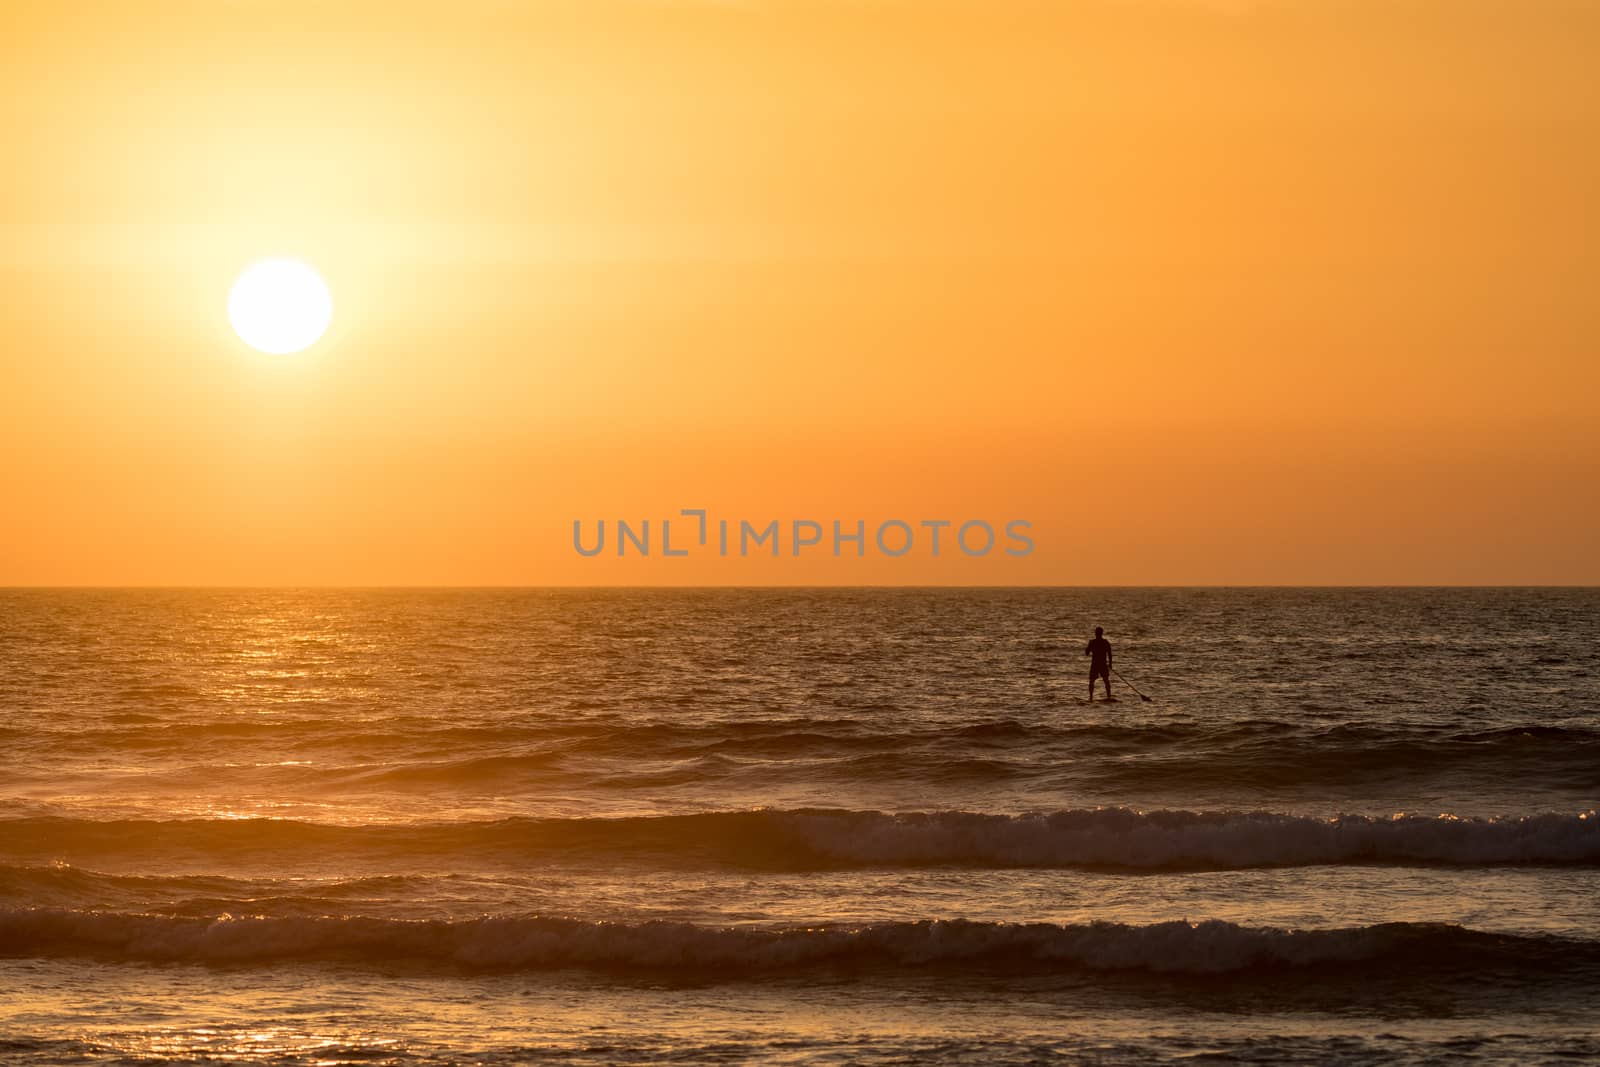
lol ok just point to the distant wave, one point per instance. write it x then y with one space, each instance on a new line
784 736
410 754
832 838
1272 755
63 885
687 950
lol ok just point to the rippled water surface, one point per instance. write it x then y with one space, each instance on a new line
799 826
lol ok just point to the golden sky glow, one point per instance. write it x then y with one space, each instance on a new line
1283 292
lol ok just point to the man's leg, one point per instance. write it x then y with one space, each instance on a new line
1105 676
1091 685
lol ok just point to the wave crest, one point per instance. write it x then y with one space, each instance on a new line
690 950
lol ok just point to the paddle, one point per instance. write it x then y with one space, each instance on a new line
1130 685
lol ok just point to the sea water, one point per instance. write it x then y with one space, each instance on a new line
799 826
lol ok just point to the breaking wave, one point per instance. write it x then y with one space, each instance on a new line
690 950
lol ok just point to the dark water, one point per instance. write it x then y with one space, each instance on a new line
799 826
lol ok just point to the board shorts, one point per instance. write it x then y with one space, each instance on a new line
1099 670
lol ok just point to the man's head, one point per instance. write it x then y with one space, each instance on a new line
1099 632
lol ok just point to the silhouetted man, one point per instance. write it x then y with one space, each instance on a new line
1100 665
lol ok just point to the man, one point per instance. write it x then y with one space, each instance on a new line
1100 665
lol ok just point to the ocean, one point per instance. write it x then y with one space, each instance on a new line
877 826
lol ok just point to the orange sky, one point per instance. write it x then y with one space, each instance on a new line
1288 291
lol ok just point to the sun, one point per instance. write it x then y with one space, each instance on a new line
279 306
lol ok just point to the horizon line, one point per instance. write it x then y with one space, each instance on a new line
801 586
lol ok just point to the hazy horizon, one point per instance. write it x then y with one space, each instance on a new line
833 585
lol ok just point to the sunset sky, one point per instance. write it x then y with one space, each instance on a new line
1279 292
